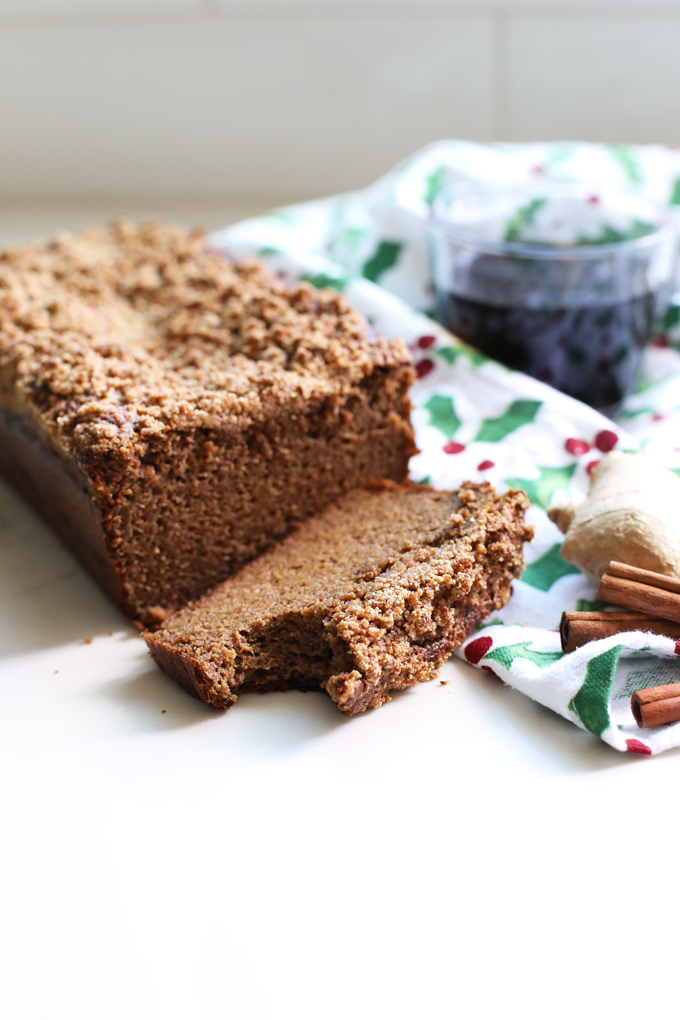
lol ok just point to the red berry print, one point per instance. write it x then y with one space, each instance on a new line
637 747
591 466
576 446
606 440
454 448
594 200
677 648
659 341
477 649
485 465
538 169
424 367
425 341
657 417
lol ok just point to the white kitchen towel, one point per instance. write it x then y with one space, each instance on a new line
475 419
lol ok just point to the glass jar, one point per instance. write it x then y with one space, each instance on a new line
560 281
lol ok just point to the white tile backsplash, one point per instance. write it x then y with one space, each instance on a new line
319 8
87 10
243 107
299 97
598 79
389 7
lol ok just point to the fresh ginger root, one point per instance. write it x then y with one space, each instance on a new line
632 514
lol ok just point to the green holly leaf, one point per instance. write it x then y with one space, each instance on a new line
624 157
476 357
591 703
643 383
423 481
609 235
506 655
434 183
675 193
520 412
543 572
672 316
263 252
559 154
322 280
443 415
385 257
591 605
628 415
449 354
351 236
540 490
523 218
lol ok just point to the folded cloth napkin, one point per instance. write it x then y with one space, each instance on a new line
475 419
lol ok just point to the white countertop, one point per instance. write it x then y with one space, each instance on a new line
460 852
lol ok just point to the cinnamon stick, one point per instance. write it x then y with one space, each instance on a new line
577 629
664 581
656 706
642 590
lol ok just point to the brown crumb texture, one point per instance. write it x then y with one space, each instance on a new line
370 596
172 413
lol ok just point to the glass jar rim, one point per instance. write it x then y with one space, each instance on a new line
523 249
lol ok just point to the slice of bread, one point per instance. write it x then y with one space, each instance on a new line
369 596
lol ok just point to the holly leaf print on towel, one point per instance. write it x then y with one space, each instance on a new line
384 257
322 280
434 183
550 567
628 163
672 316
591 703
540 490
520 412
506 655
449 354
591 606
522 219
443 415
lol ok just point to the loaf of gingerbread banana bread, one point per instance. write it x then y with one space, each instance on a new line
368 597
173 414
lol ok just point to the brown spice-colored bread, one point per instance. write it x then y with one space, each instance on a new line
172 414
370 596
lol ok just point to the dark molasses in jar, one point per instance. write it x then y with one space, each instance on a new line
564 284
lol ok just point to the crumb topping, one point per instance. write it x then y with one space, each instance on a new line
120 334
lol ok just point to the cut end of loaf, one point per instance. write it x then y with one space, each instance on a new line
172 413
